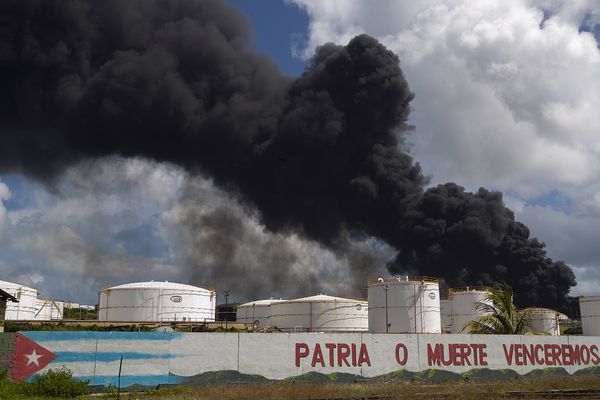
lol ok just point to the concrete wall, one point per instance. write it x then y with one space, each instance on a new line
157 358
7 350
2 314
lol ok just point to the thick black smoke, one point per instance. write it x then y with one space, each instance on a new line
176 80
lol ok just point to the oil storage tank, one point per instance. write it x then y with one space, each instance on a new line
446 315
463 305
25 308
408 304
46 310
320 313
257 313
544 320
156 301
590 315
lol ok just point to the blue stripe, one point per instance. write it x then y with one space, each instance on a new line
128 380
75 335
51 336
73 356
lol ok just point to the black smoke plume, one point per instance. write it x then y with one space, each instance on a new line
320 155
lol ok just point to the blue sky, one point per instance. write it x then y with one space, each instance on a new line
502 101
277 28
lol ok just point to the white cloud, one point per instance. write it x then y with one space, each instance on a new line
502 101
94 227
499 101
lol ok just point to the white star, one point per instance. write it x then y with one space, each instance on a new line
33 358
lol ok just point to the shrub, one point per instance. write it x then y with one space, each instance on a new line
10 389
572 330
57 383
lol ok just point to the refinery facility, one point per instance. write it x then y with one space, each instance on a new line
402 305
407 323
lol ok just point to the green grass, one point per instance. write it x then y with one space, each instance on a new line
400 384
389 390
406 390
226 385
11 326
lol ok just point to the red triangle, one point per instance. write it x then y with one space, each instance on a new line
30 357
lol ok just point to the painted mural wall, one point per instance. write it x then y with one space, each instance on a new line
169 358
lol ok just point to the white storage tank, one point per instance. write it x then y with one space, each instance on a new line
463 305
320 313
47 310
589 307
257 313
406 304
544 320
156 301
446 316
26 296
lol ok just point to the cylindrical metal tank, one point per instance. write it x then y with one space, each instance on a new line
590 315
25 308
446 315
404 305
156 301
257 313
544 320
47 310
463 305
320 313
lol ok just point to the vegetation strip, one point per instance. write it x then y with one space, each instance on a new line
558 393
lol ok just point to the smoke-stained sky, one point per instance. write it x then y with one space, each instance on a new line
110 225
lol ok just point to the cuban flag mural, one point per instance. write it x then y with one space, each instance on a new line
95 356
29 358
149 358
155 358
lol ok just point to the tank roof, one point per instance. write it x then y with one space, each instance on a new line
264 302
11 285
541 310
155 285
323 298
468 289
403 280
589 298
